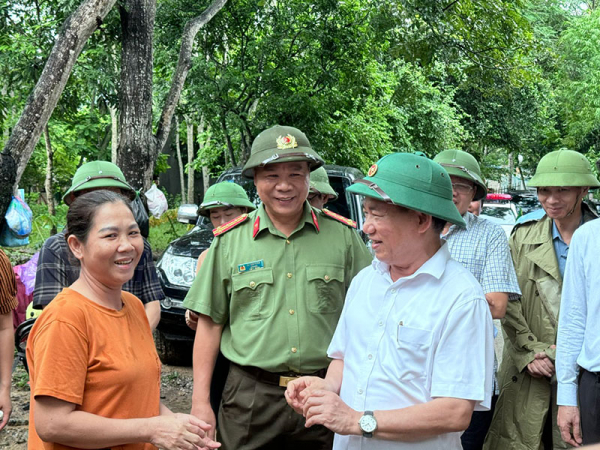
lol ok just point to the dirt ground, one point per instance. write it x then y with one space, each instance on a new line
176 393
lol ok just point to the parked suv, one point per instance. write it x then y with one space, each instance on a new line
177 267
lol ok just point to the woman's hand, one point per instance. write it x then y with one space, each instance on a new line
191 319
180 432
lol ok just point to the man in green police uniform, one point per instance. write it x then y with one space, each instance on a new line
270 294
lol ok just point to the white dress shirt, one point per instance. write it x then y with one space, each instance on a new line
578 341
407 342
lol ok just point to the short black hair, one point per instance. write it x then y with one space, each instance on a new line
82 211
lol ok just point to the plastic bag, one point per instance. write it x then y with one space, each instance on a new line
141 215
27 273
19 218
9 239
157 202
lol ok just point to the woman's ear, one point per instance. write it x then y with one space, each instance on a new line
76 246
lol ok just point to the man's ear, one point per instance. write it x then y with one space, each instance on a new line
76 246
425 221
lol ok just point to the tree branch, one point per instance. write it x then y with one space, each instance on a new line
183 66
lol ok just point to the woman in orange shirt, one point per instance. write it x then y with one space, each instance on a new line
95 373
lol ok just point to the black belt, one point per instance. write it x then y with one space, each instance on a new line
276 378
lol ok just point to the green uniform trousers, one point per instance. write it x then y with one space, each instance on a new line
255 415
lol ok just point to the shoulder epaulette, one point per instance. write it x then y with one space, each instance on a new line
335 216
229 225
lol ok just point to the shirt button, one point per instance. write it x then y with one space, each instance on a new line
287 241
381 323
252 284
294 349
360 391
292 312
370 356
393 291
326 277
289 275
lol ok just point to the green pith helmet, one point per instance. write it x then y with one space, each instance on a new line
226 194
97 174
319 183
412 181
280 144
461 164
564 168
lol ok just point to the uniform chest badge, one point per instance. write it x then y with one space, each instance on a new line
247 267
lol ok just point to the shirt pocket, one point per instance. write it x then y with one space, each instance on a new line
413 346
326 288
250 299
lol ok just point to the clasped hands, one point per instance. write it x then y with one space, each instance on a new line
541 366
318 402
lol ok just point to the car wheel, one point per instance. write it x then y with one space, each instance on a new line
174 352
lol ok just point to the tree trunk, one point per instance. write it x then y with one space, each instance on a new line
205 178
228 140
179 161
114 132
8 174
49 172
190 152
137 150
70 41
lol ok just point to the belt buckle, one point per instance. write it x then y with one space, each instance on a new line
284 381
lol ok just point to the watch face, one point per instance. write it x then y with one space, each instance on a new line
368 423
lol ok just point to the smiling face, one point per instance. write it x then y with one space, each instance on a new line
224 214
283 188
391 229
560 201
113 246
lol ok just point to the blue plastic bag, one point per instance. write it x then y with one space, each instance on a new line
19 218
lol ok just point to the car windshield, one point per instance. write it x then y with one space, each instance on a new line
502 216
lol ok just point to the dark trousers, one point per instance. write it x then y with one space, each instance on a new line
473 437
255 415
589 406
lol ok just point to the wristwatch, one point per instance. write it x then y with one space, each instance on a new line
368 424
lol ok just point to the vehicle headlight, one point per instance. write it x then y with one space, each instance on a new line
179 270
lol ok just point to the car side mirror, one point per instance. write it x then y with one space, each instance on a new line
187 213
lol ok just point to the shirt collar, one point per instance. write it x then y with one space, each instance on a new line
469 219
555 233
264 221
434 266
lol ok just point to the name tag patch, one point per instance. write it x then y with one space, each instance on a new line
246 267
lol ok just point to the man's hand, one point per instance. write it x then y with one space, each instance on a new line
327 408
181 432
204 412
300 389
541 366
569 425
5 407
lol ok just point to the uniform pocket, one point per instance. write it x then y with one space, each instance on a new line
250 298
413 346
326 289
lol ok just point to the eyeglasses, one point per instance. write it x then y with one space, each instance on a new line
461 188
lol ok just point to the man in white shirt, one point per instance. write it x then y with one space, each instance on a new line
413 350
578 342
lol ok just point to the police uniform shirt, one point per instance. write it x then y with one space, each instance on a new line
278 297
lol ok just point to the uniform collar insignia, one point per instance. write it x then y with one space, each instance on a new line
315 221
256 227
